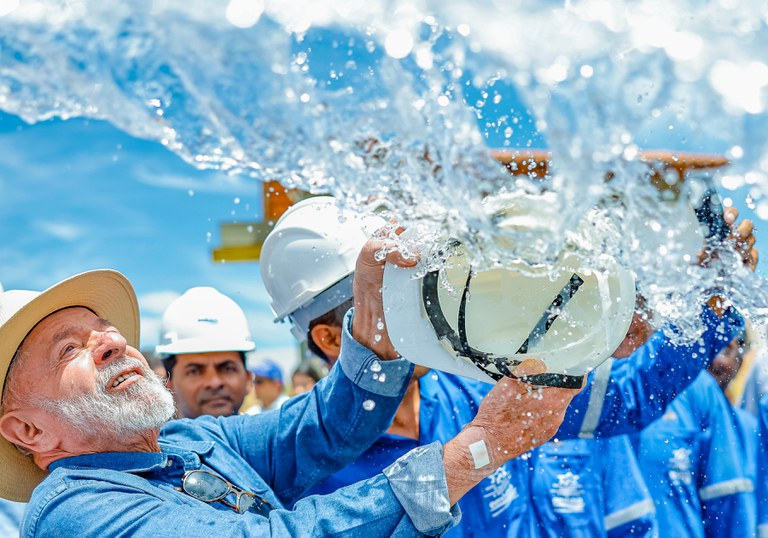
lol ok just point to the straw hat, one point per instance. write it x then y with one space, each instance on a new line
105 292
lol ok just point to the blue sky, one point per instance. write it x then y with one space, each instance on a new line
80 195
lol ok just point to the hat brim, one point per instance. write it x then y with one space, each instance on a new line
105 292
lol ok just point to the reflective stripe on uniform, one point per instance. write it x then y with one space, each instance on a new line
596 399
630 513
729 487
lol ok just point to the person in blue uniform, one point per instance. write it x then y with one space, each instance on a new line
621 396
762 469
691 461
723 369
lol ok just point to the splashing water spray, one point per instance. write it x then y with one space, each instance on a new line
394 105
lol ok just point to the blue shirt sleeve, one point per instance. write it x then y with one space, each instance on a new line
369 508
625 395
762 469
318 433
629 508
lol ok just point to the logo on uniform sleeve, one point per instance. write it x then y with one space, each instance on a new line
567 494
680 467
499 491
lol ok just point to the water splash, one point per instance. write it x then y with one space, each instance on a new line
389 104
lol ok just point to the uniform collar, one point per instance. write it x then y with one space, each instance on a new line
140 462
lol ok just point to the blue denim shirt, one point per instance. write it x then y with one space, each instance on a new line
497 505
278 455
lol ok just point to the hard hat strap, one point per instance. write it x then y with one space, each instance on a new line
483 360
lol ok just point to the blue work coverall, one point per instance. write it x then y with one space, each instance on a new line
692 461
620 397
584 488
762 468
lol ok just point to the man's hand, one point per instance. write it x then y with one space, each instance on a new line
742 238
368 325
513 418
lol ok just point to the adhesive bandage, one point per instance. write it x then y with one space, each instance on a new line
479 454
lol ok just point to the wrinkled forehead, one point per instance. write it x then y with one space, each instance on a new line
52 329
54 326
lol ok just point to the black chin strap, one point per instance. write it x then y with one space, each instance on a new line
484 360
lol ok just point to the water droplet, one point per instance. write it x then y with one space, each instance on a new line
368 405
377 338
376 366
380 325
382 377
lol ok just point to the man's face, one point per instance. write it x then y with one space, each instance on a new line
209 383
266 390
726 365
640 330
301 383
78 369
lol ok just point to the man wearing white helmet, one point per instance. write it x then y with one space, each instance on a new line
204 339
437 406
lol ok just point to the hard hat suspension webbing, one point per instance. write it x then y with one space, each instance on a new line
550 314
483 360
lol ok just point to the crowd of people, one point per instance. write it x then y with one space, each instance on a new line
655 443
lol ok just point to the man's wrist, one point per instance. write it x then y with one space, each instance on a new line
468 458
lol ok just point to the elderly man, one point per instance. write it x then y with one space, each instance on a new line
85 415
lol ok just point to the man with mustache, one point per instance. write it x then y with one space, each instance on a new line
204 340
87 418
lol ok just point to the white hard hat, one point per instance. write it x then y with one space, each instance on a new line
308 259
480 325
204 320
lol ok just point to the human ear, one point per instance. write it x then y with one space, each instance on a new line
327 338
248 381
20 428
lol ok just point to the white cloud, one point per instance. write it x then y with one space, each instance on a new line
60 230
193 183
150 331
157 301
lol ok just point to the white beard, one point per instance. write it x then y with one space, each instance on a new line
143 407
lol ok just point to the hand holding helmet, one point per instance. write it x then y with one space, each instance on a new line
369 326
513 419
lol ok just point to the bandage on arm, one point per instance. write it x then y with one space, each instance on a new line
467 460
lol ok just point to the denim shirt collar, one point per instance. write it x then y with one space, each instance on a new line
140 462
